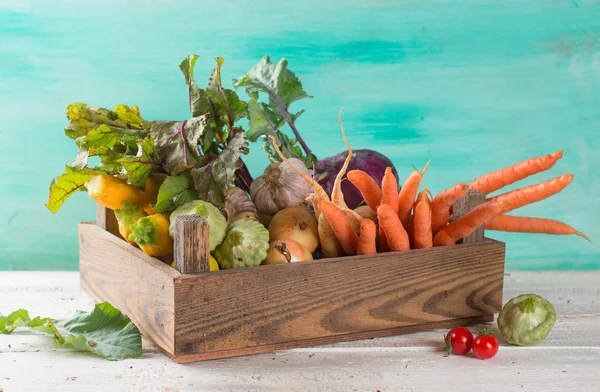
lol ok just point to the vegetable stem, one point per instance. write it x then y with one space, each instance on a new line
307 150
289 120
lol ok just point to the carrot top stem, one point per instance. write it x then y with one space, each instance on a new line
337 197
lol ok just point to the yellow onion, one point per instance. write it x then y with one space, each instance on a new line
295 223
286 251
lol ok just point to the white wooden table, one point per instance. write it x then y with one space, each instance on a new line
568 360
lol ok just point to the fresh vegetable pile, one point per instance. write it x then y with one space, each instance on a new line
150 172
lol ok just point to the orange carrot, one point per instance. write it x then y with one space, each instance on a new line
397 237
407 195
330 246
422 234
468 223
523 224
382 243
341 226
366 241
534 193
367 186
440 206
389 189
337 197
493 181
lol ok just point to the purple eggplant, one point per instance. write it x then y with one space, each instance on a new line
368 161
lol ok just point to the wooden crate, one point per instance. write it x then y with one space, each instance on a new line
207 315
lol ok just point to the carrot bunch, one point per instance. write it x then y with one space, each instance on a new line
398 220
409 219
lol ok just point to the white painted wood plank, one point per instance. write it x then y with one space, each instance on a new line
573 292
568 360
385 370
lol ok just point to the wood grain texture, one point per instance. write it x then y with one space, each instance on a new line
567 360
137 284
462 206
335 300
106 219
307 343
191 244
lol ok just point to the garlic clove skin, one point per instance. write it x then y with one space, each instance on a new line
280 187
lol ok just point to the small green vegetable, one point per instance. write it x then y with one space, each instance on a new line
245 245
126 217
216 221
526 320
104 331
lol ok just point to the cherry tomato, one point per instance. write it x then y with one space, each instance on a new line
485 345
458 341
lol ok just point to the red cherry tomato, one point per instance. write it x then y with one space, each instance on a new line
458 341
485 345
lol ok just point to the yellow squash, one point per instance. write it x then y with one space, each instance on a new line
151 233
111 192
214 266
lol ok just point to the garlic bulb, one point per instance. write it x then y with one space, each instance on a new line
280 187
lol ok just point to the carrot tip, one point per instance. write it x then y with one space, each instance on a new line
426 166
584 236
557 155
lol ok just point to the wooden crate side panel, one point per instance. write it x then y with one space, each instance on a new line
333 339
269 305
137 284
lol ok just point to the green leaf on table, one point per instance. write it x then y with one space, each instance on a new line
64 186
138 168
198 99
104 331
177 143
20 318
175 191
214 178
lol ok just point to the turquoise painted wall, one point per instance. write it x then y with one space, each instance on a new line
476 85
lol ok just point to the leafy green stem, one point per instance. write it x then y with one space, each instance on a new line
288 119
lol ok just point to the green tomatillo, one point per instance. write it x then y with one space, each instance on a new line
526 320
